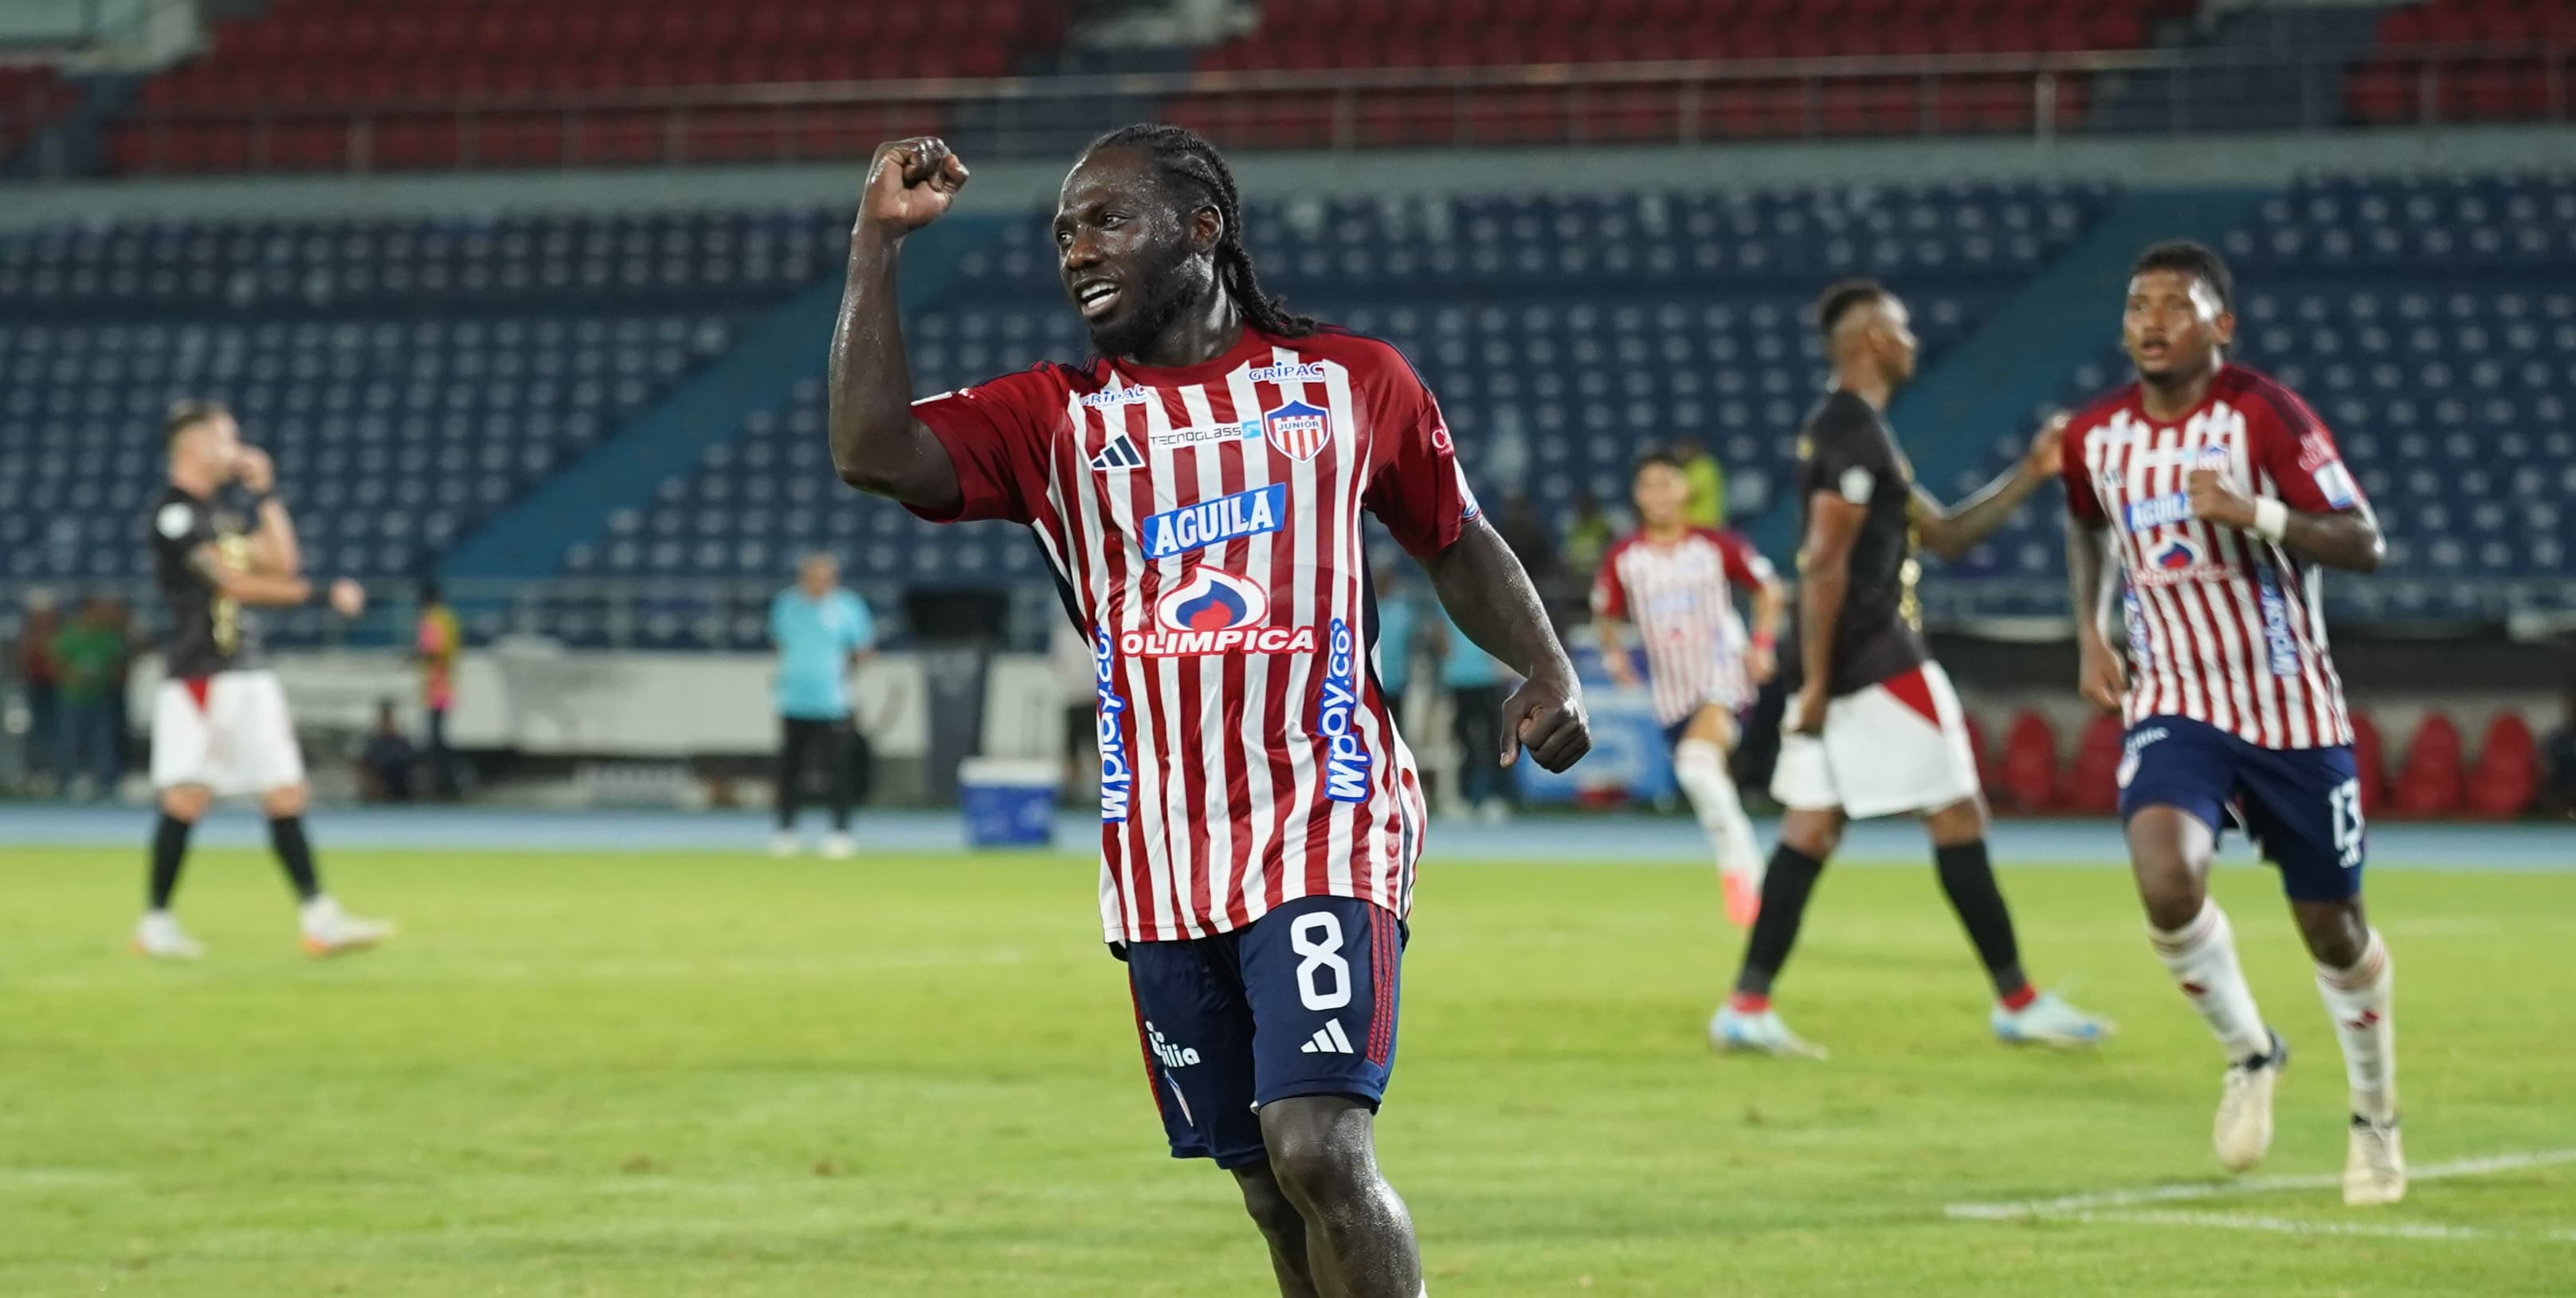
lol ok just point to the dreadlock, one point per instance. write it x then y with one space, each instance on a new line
1184 155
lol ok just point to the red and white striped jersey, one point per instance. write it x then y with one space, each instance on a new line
1681 596
2224 627
1204 523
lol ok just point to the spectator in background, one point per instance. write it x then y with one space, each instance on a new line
1397 613
1707 482
1477 686
385 764
822 633
1588 537
120 618
88 657
1069 660
436 639
34 660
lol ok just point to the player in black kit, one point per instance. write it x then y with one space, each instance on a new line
219 726
1873 728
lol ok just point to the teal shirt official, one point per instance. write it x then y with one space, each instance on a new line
1466 667
815 638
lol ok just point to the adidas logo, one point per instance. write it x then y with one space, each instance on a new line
1330 1040
1120 453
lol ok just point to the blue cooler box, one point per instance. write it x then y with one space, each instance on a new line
1009 801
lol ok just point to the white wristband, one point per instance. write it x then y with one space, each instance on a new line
2271 519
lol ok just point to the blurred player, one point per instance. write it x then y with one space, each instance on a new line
2227 494
1873 728
1197 488
219 727
1676 581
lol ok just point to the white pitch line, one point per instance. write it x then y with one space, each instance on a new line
2286 1226
2084 1203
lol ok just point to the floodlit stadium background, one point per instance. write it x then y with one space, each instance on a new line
531 298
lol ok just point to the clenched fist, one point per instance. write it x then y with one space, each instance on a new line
910 184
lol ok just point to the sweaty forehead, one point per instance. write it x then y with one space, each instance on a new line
1108 174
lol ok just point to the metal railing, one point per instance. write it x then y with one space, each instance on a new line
2038 96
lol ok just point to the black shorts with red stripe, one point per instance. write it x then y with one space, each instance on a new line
1301 1002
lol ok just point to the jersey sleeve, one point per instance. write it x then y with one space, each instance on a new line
2083 504
1745 566
1609 594
2294 449
1843 457
997 434
1416 486
178 528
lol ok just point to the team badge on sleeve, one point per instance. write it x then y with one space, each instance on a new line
1298 429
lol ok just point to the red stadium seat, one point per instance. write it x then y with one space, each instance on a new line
1989 771
2092 784
2368 757
2030 764
2429 782
2507 776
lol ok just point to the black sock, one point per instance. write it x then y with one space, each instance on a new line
286 834
169 852
1791 876
1969 882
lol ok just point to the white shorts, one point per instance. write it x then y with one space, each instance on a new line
228 733
1898 746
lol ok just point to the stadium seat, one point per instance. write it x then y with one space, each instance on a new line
2092 785
2429 783
2030 775
2507 775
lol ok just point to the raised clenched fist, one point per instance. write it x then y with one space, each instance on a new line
910 184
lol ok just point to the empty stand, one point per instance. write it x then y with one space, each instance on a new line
2468 60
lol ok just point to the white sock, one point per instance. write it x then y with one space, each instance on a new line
320 913
2201 955
2359 1001
1700 767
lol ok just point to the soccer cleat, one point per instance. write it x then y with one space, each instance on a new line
1737 1032
783 844
2374 1170
2049 1021
1743 896
160 937
838 847
2243 1131
328 930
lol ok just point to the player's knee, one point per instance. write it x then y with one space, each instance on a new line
1319 1151
1959 823
2334 931
186 803
1811 834
279 803
2172 898
1269 1206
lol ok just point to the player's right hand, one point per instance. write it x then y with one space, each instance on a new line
254 470
1807 711
2100 675
348 598
910 184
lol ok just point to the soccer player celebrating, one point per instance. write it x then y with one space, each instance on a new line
1676 582
1196 488
219 727
2219 494
1873 728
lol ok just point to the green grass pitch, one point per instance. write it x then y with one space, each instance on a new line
664 1075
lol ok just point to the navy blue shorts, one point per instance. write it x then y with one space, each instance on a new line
1302 1002
2301 806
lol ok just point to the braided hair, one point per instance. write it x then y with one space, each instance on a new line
1184 155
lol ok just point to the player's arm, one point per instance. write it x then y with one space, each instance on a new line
877 446
1770 605
1824 581
273 549
1952 531
267 589
2101 675
2342 538
1489 595
1613 634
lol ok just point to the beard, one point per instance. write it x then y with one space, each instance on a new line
1168 290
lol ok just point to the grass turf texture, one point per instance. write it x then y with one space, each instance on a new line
656 1075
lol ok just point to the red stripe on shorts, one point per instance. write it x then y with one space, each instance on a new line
1145 1047
198 687
1913 689
1382 964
